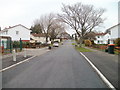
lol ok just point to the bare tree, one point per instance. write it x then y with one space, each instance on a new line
50 26
82 18
45 23
56 29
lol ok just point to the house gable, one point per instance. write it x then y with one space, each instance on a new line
16 32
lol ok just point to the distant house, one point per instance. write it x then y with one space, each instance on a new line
75 36
64 35
109 36
16 32
102 38
38 38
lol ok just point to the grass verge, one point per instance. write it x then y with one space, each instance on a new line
82 49
73 44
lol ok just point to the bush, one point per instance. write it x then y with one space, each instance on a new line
87 43
92 41
117 42
16 44
25 44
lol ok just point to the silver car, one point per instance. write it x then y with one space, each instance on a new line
55 44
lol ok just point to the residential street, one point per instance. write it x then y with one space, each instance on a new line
62 67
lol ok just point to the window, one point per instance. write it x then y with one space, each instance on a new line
98 36
98 41
17 32
108 41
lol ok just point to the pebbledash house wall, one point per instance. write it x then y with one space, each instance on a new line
17 32
114 33
119 31
38 39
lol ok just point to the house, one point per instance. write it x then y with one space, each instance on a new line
110 35
38 38
102 38
64 35
114 33
16 33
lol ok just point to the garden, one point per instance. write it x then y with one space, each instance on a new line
103 47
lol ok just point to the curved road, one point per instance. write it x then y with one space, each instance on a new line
62 67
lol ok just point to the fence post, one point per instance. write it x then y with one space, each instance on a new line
20 44
25 54
2 46
14 55
10 46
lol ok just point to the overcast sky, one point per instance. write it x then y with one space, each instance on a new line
13 12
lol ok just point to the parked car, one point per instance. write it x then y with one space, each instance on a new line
55 44
49 42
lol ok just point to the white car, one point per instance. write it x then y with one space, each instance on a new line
49 42
56 44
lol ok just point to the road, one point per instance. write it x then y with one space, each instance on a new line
106 63
62 67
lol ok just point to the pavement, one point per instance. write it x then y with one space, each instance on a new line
106 63
62 67
29 51
7 60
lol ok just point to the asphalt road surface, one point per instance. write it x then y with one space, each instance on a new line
107 64
62 67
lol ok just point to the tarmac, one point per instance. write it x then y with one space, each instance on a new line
107 63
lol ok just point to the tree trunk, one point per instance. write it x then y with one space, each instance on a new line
81 42
46 39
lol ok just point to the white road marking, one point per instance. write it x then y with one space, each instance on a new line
17 64
99 73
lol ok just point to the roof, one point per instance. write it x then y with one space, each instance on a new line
13 27
38 35
113 26
100 34
5 37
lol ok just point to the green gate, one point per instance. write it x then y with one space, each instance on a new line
9 45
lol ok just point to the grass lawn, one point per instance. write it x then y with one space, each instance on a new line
82 49
117 53
73 43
